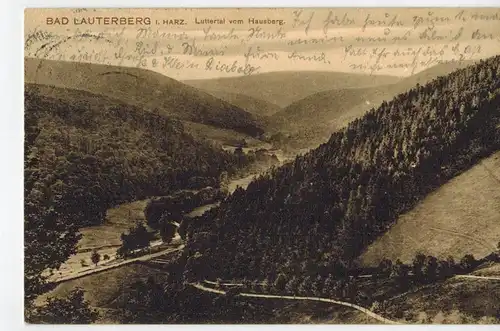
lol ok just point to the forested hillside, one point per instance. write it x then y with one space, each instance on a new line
85 153
143 88
316 214
309 121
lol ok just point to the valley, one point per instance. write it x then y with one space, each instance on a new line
105 238
392 219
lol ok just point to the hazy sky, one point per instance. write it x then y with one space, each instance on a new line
374 41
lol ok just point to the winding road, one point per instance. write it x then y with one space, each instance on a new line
285 297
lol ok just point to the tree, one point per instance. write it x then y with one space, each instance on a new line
73 309
385 267
317 286
292 287
400 274
467 262
417 266
247 285
197 268
106 257
280 283
305 286
137 238
444 269
95 257
430 268
329 286
167 231
183 228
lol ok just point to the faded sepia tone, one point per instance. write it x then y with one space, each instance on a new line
333 165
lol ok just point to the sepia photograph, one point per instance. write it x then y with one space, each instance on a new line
303 166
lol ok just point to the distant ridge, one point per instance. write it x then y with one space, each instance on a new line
284 87
144 88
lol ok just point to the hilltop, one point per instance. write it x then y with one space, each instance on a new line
283 88
143 88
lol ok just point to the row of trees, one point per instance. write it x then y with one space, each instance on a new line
316 214
425 269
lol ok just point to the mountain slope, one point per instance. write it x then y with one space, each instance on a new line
316 214
461 217
313 118
252 105
143 88
95 151
283 88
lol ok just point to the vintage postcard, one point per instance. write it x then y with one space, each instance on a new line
262 166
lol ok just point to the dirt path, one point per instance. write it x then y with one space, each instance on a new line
466 236
478 277
87 272
284 297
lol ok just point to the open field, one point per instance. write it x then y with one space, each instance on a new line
459 218
118 220
105 238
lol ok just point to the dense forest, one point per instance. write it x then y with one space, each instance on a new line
85 153
315 215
